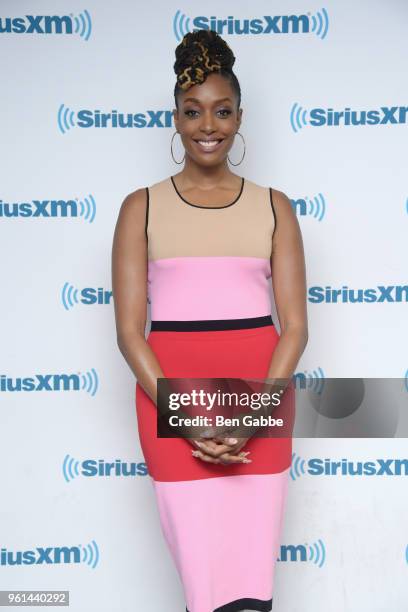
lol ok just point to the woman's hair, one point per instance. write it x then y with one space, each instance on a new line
199 54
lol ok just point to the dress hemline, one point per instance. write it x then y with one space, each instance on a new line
260 605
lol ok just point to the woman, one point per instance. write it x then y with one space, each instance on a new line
202 246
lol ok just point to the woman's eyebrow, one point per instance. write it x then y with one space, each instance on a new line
198 101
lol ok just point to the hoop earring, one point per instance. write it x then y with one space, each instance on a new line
171 149
243 140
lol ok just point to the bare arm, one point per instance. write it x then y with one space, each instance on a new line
129 286
289 287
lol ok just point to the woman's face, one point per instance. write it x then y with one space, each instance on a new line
208 112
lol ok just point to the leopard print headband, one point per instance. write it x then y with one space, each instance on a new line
194 74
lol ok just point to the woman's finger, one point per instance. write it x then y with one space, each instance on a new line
205 446
213 449
205 457
225 458
235 448
241 458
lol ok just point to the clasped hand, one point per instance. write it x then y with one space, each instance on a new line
220 449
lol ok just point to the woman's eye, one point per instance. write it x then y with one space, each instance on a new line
224 112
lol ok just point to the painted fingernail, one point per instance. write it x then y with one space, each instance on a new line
232 440
247 461
195 453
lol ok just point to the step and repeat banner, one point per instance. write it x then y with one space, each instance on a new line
86 118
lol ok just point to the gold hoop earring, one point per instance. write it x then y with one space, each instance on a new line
171 149
243 140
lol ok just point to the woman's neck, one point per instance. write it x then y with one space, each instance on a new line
206 177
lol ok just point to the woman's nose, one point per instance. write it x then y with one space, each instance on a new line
207 124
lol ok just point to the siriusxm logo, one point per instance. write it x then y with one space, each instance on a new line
87 382
317 117
52 555
70 296
72 468
317 24
345 467
312 553
391 293
48 24
86 118
314 207
313 381
85 208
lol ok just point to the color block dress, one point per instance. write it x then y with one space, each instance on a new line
209 276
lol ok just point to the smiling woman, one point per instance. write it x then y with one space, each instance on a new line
207 118
201 247
217 116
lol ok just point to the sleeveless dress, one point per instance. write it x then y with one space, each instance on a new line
208 286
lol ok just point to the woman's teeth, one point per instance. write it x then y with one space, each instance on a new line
208 143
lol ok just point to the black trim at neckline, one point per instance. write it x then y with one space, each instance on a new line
210 207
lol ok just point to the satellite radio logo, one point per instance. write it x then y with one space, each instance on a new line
313 553
317 24
84 208
329 295
317 466
73 468
80 25
300 117
87 554
312 381
88 296
87 382
313 207
68 119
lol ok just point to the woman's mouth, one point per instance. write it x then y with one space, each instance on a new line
208 146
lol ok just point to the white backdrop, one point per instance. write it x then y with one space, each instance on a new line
66 393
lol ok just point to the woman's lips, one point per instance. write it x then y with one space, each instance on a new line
212 145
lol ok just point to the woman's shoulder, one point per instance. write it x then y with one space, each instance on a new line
286 221
135 199
281 201
141 195
277 197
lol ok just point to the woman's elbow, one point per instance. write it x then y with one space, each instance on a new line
300 330
127 336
